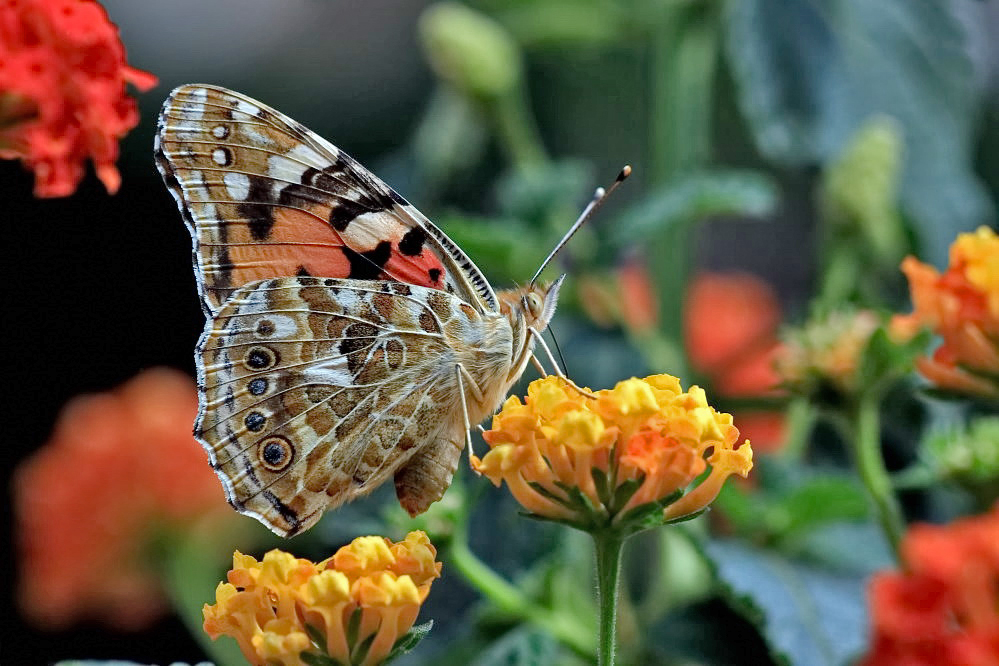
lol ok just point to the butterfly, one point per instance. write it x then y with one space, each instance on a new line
348 339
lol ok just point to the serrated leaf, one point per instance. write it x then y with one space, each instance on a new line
806 614
523 646
805 91
694 197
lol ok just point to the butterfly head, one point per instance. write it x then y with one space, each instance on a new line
534 304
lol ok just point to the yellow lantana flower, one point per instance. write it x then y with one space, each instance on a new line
614 455
280 607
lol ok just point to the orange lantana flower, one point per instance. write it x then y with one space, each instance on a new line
118 467
360 602
62 91
943 608
960 305
599 459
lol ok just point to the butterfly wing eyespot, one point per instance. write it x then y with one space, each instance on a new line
265 197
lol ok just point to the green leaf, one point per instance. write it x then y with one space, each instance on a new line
821 501
523 646
809 74
884 360
410 640
693 197
807 615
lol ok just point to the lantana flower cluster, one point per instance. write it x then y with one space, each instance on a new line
62 91
942 609
352 608
961 305
609 457
120 467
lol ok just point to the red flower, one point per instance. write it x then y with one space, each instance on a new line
62 91
118 466
944 610
730 326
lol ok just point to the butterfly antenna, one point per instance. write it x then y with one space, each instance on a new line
596 202
561 358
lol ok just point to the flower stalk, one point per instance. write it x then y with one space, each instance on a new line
866 442
608 545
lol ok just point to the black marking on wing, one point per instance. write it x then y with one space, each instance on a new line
257 209
290 516
412 242
368 265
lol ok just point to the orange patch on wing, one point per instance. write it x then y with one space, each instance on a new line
419 270
297 240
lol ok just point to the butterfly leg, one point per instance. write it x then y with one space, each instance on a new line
537 364
463 375
551 359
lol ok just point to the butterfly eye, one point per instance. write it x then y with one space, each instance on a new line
533 304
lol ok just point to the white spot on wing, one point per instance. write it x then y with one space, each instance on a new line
284 326
219 156
332 372
219 131
247 108
308 155
237 185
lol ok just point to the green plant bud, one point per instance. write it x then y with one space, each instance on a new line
860 187
470 51
969 457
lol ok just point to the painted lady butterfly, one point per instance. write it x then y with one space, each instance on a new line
348 338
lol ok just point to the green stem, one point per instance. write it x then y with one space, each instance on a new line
510 600
517 132
608 550
866 442
683 62
801 418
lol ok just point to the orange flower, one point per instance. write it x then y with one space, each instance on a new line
590 460
372 584
730 327
62 91
943 609
962 307
118 466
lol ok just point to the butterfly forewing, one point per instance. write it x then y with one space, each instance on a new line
265 197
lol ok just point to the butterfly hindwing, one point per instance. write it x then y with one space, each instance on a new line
315 391
265 197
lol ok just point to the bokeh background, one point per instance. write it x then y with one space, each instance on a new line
729 112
